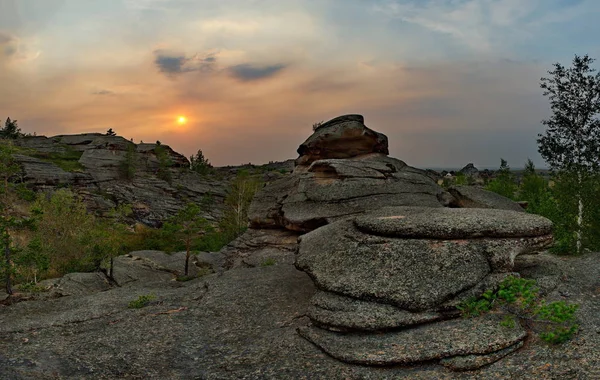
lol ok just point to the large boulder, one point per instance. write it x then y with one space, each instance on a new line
343 137
388 281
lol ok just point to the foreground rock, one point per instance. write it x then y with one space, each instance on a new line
403 268
242 324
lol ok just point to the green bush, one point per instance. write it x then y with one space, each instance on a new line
519 298
141 301
268 262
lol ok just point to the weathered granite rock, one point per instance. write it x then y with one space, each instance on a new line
407 268
474 197
476 336
339 313
452 223
101 181
471 362
76 284
343 137
261 247
336 188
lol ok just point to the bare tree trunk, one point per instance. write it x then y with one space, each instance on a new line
187 256
7 257
579 213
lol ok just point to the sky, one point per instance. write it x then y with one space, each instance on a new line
448 81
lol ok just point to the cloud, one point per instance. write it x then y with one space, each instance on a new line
104 92
172 63
247 72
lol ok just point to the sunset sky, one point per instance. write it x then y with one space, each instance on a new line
448 81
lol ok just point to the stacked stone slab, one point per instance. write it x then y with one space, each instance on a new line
389 282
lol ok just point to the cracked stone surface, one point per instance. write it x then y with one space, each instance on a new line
242 324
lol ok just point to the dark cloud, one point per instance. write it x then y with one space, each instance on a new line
172 63
248 72
103 92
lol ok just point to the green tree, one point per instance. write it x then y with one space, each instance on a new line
199 163
534 189
11 130
571 142
164 162
187 224
111 237
67 232
237 203
504 181
129 164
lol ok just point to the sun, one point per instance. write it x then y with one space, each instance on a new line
181 119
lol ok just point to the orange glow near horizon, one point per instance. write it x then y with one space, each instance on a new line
181 119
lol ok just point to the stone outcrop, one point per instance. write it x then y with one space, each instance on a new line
475 197
96 174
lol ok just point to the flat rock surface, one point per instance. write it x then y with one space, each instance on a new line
453 223
482 335
243 325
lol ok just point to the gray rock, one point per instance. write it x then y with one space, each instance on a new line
343 137
471 362
413 274
76 284
339 313
474 197
261 247
477 336
453 223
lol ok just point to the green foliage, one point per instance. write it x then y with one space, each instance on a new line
504 181
24 193
67 160
268 262
141 301
237 204
128 166
200 164
185 225
519 297
11 130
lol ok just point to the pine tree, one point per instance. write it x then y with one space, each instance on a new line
11 130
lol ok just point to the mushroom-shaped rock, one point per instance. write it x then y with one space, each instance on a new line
343 137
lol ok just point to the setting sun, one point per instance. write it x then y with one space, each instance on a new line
181 119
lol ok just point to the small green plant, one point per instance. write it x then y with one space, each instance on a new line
519 299
31 287
141 301
268 262
184 278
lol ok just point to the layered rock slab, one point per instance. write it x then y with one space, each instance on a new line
339 313
408 269
459 337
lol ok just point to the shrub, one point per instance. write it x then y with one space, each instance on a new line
519 299
141 301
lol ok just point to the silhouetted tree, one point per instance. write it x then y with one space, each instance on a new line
11 130
199 163
110 132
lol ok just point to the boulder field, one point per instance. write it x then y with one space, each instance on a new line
352 268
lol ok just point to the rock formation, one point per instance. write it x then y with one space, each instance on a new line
100 181
391 253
